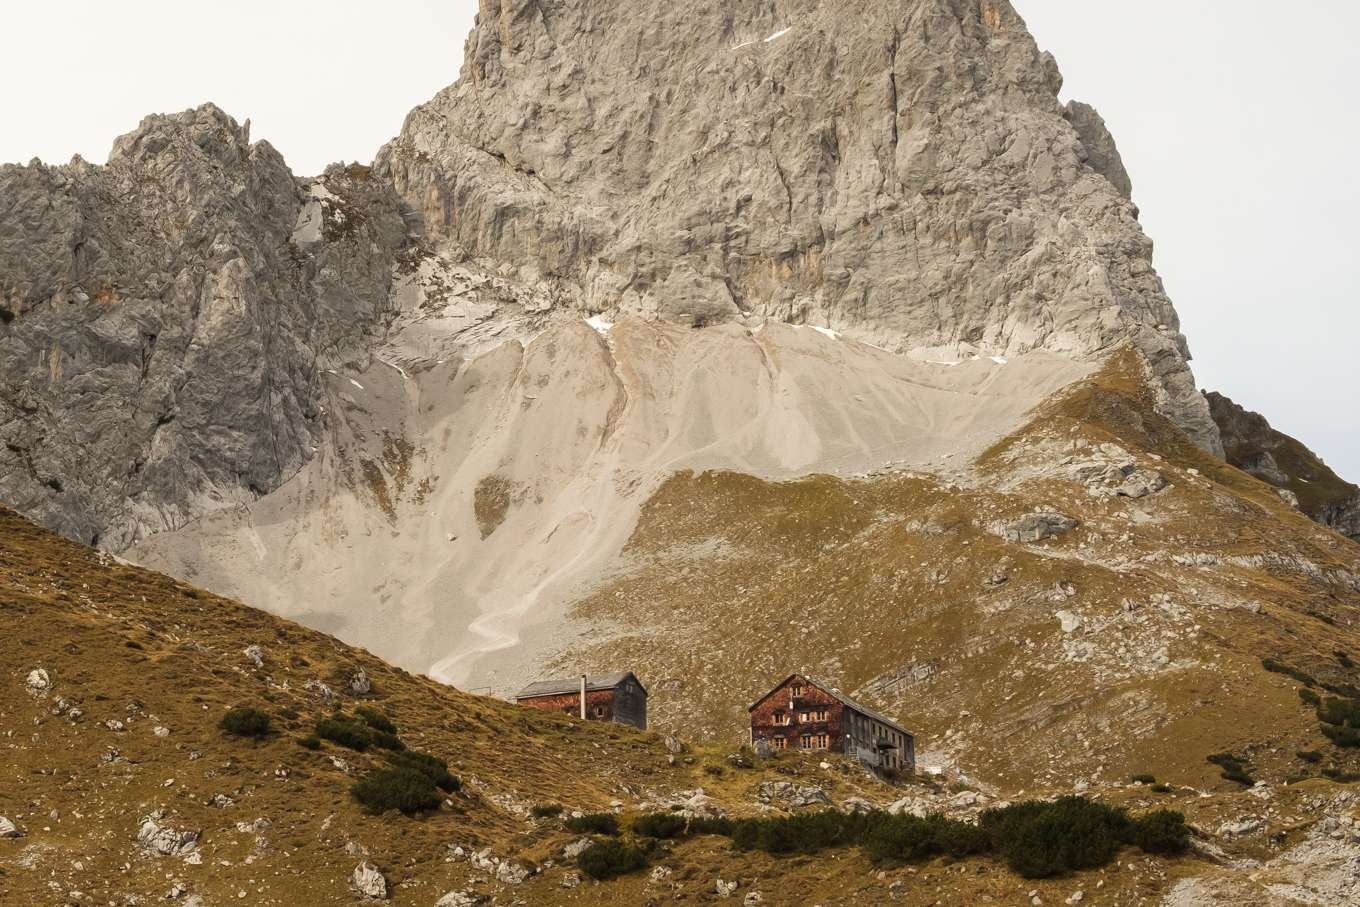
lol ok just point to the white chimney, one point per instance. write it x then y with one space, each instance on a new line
583 697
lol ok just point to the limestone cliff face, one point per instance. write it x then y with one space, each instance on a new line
162 328
1285 462
901 171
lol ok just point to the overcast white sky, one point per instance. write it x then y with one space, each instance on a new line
1237 122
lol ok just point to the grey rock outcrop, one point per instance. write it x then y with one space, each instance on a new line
162 335
1252 445
1102 155
158 836
369 882
1035 527
902 172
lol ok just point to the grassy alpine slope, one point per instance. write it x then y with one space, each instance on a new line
116 682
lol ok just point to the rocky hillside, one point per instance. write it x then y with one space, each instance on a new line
165 320
1286 463
120 786
901 172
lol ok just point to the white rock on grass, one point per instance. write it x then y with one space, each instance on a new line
725 889
462 898
254 655
359 684
8 829
369 882
576 848
157 836
38 681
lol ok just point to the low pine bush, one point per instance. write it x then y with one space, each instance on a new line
345 732
660 825
432 767
1279 667
910 839
1144 779
398 788
610 859
594 824
245 723
703 826
1309 756
1234 769
310 743
1160 788
1038 840
375 719
546 811
1160 832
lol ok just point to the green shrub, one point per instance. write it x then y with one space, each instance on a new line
376 719
660 825
1343 659
345 732
1339 711
1144 779
1309 756
805 833
432 767
397 788
594 824
1341 735
703 826
1278 667
1160 788
610 859
245 723
1038 840
910 839
1234 769
386 741
1160 832
311 743
546 811
1309 697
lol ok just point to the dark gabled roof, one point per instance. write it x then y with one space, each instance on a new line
841 698
573 685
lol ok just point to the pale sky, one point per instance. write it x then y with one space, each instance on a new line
1239 123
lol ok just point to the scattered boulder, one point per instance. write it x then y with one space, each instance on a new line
661 873
674 745
157 836
359 684
465 898
369 882
1036 527
38 681
1141 483
752 898
571 879
726 889
858 805
8 829
255 655
791 794
511 873
1071 623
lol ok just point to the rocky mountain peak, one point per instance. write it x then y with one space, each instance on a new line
902 172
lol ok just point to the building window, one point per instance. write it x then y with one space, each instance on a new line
805 716
798 689
805 741
599 711
821 715
780 743
780 717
